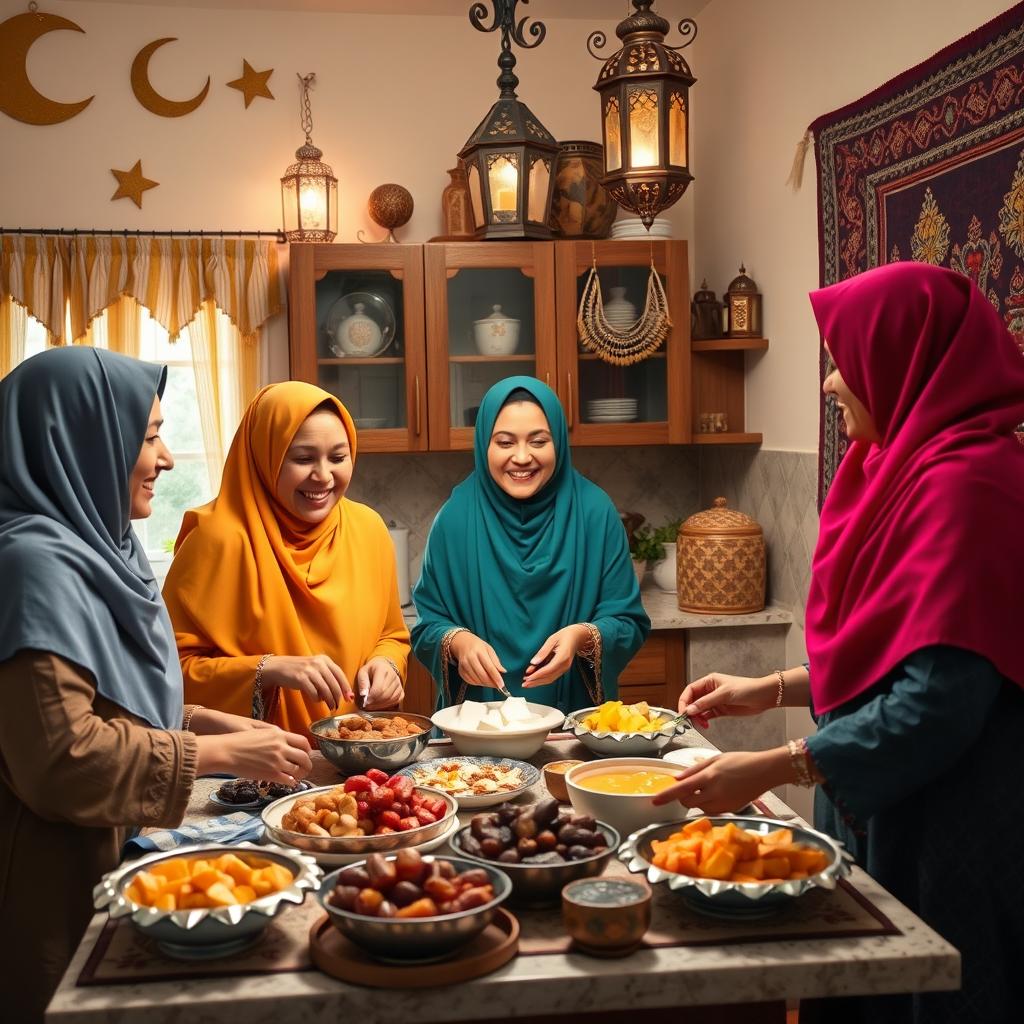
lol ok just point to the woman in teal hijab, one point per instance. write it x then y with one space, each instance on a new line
526 576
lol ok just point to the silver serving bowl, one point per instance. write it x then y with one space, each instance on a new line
540 885
365 845
353 757
736 899
202 934
626 744
401 940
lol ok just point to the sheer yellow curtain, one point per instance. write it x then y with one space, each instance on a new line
13 325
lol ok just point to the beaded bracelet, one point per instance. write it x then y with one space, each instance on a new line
782 688
798 758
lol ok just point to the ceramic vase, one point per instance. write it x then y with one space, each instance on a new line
457 205
619 311
664 571
580 207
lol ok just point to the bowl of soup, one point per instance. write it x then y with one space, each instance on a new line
621 791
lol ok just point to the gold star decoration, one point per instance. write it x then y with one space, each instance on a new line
252 83
131 184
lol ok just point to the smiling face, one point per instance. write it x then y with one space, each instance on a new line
317 467
859 424
154 458
521 455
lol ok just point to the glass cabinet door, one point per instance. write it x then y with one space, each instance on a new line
647 401
362 338
490 315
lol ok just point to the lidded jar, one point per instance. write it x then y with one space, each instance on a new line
720 562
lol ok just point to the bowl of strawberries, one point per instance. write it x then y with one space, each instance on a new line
369 813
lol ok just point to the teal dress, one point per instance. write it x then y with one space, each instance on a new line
923 787
513 572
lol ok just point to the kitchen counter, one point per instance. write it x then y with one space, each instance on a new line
762 974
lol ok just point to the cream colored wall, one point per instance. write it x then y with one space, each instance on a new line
766 70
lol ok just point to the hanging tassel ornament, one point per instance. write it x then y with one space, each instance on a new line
796 172
631 345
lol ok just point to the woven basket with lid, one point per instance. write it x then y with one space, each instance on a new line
720 562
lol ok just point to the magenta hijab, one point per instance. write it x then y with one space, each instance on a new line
921 538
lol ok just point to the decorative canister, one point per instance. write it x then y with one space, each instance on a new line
457 205
580 207
720 562
358 334
497 334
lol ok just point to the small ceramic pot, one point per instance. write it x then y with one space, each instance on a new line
664 572
497 334
554 779
606 916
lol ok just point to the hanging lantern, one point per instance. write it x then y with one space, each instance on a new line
743 302
645 112
510 158
309 189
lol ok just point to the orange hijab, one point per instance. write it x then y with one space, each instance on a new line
249 578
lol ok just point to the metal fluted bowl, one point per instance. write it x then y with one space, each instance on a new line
402 940
627 744
201 933
353 757
736 899
540 885
365 845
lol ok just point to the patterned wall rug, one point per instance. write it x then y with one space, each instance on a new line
929 167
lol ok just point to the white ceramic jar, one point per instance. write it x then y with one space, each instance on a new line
664 572
359 334
497 334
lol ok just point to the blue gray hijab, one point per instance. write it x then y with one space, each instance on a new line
76 580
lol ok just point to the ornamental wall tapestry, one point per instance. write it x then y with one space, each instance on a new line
929 167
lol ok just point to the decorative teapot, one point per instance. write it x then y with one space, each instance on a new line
360 335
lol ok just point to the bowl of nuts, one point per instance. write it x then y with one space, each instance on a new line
371 813
407 907
388 740
540 846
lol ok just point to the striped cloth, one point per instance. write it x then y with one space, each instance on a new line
237 827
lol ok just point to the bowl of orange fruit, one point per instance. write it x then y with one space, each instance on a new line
207 901
736 865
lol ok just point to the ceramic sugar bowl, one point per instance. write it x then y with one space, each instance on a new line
497 334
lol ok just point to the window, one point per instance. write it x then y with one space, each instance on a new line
188 484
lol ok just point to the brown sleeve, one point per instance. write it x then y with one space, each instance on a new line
68 762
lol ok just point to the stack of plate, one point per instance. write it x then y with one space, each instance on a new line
632 227
612 410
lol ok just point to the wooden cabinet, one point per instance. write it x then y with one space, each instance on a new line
655 675
418 382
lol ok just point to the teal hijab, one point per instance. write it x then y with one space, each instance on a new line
513 572
76 580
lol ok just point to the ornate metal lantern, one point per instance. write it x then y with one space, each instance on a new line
510 157
309 189
645 112
743 301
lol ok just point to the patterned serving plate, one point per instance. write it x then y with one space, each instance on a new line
254 804
422 770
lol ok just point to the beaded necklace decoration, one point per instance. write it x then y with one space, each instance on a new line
633 343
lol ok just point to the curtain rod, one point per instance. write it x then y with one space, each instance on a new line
276 233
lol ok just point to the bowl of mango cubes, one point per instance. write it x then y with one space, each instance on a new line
617 729
735 865
208 901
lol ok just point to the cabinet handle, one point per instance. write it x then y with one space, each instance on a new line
418 417
547 377
568 378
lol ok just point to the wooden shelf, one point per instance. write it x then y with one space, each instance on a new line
729 345
727 438
590 356
362 361
528 358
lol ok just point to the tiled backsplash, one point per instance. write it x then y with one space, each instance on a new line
660 482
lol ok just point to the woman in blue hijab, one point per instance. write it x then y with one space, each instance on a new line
93 734
526 577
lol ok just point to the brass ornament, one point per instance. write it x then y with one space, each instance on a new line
634 343
19 98
131 184
390 206
148 96
252 83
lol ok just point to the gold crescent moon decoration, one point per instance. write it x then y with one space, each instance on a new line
19 98
148 96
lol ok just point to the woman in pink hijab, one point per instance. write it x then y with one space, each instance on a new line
916 670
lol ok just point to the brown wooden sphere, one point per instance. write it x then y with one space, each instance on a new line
390 206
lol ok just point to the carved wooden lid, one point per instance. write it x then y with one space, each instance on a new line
720 519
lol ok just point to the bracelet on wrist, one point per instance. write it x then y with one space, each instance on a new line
259 706
782 688
186 718
799 758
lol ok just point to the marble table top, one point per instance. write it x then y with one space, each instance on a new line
916 960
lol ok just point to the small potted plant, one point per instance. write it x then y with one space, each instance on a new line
665 569
643 548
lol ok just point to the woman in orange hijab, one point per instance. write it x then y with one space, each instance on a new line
283 592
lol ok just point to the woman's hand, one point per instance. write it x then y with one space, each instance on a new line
315 676
208 722
260 753
379 686
721 696
478 661
555 656
728 782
